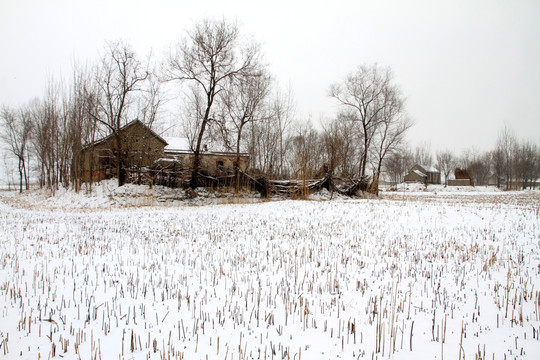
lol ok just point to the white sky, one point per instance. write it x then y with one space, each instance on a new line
466 67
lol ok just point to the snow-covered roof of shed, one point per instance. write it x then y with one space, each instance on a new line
176 144
419 173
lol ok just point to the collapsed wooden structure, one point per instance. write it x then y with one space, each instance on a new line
175 176
302 188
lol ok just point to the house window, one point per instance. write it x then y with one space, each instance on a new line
220 163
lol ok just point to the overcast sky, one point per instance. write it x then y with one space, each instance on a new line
466 67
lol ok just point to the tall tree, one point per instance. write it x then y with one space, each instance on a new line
398 163
526 158
477 164
263 146
245 103
211 56
333 144
17 131
445 164
306 154
48 137
340 149
506 143
390 133
283 112
121 78
81 126
423 155
362 94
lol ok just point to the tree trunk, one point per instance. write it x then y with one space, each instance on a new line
20 175
195 175
120 171
237 162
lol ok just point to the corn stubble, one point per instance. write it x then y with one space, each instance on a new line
279 280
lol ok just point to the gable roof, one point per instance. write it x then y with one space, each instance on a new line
123 128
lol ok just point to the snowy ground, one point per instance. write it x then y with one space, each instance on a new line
139 273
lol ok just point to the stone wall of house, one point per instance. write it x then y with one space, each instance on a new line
213 163
414 177
142 146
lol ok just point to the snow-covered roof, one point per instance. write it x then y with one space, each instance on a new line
166 160
430 169
419 173
176 144
135 122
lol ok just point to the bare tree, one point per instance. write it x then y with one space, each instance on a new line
120 78
9 170
306 159
398 163
283 110
497 164
81 126
422 155
262 147
245 103
536 166
525 164
211 56
340 147
333 145
477 164
506 143
58 130
445 163
51 138
390 133
268 142
17 131
362 94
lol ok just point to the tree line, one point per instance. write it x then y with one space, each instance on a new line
228 100
513 164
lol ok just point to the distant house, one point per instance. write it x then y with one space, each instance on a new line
495 180
423 174
143 148
462 178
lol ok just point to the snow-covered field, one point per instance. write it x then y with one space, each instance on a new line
118 275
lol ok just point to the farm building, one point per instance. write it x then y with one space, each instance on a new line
143 148
495 180
138 142
462 178
423 174
213 162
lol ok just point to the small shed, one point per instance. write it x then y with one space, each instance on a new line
423 174
462 178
